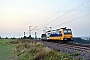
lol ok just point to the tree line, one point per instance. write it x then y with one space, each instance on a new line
76 39
81 41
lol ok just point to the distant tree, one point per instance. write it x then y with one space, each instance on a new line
25 37
13 38
89 38
82 41
6 37
0 37
29 36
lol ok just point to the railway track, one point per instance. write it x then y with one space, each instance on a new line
84 50
79 47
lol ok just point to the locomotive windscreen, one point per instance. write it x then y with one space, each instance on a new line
43 35
67 31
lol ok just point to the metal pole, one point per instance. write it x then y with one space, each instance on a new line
24 34
35 35
30 31
50 29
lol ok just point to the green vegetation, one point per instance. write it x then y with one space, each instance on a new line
7 51
75 54
82 41
29 50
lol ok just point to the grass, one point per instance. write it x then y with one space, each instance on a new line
75 54
29 50
6 50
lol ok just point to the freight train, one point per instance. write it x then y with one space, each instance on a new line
59 35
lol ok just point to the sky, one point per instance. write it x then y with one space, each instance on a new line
17 15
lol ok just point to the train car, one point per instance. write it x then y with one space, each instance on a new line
44 37
59 35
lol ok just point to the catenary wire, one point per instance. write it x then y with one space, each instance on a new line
73 20
73 9
55 13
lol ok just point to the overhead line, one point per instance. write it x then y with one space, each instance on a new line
74 8
56 12
73 19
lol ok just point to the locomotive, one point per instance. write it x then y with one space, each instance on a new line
59 35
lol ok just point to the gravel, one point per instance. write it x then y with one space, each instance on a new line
82 54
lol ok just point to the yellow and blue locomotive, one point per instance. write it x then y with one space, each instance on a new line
60 35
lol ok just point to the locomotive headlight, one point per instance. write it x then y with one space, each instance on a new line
65 39
71 38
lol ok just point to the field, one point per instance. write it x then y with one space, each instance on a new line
29 50
7 51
